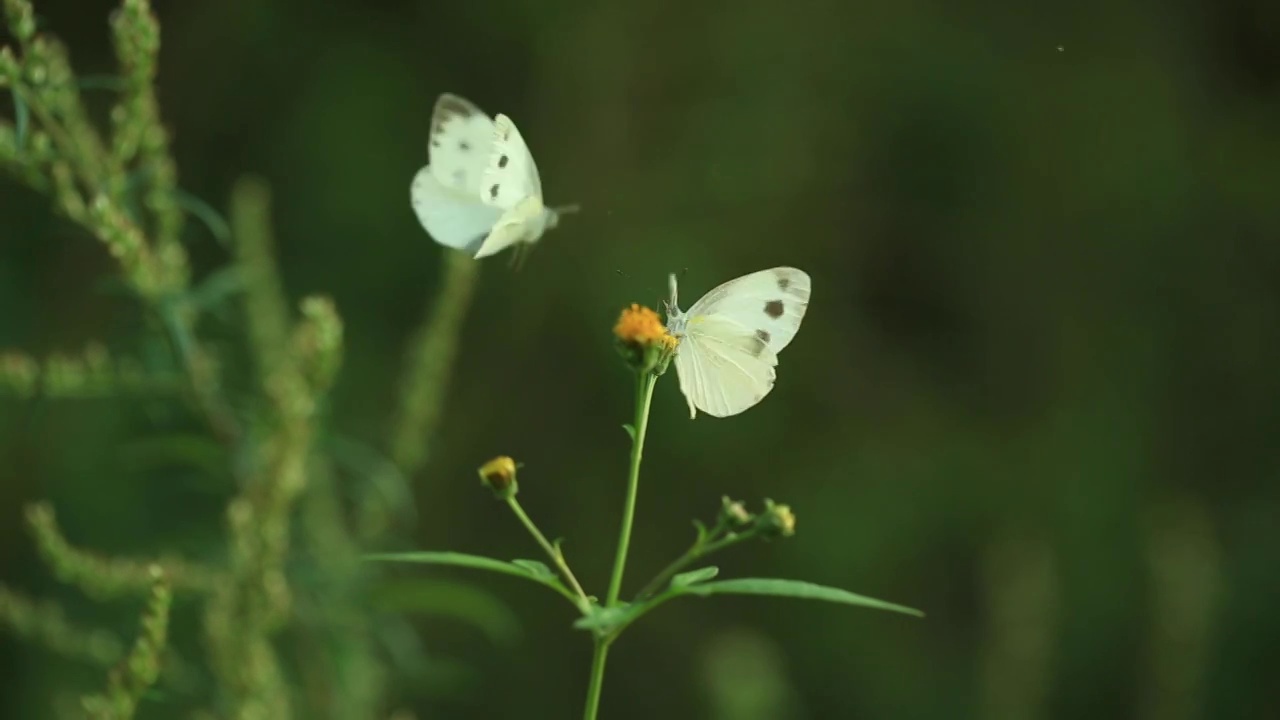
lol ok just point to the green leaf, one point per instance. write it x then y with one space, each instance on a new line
533 566
686 579
205 213
793 589
605 619
702 531
477 562
631 431
611 621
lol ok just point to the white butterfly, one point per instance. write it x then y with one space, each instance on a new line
730 339
480 191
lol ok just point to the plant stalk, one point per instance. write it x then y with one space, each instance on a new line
698 550
597 679
644 396
552 551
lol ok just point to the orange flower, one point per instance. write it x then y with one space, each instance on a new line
638 325
643 340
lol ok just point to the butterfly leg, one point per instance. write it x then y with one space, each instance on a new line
520 255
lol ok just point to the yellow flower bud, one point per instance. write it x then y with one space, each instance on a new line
734 514
499 475
777 520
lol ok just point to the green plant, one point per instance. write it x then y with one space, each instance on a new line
279 634
648 349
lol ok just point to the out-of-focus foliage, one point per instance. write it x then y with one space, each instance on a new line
1035 394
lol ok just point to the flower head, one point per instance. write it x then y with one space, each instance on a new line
777 520
640 326
643 339
734 514
499 475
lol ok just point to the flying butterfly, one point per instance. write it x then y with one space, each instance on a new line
729 340
480 191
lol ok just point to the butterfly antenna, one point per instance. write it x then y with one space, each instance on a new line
567 209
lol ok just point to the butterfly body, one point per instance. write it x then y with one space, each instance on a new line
729 340
480 191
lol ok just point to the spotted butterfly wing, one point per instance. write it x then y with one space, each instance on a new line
510 174
511 183
446 194
731 337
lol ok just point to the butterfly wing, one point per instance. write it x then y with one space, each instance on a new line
732 336
510 175
722 370
510 183
446 193
452 218
769 305
461 140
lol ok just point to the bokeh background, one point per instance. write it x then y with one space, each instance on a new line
1036 394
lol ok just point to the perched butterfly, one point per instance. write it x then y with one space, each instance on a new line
480 191
730 339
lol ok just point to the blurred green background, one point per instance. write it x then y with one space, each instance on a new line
1035 394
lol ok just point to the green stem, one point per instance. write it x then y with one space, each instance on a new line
699 550
644 396
597 679
552 551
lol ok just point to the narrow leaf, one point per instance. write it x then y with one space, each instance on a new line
793 589
631 431
477 562
702 531
536 568
686 579
205 213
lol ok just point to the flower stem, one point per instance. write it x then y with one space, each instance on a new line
644 396
552 551
698 550
597 679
